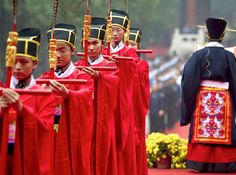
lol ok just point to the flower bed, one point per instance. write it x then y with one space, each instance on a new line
159 146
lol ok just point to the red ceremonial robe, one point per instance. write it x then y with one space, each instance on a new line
141 104
73 142
3 141
105 143
33 152
74 137
124 120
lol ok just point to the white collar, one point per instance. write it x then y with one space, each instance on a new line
214 44
97 61
68 71
117 48
15 81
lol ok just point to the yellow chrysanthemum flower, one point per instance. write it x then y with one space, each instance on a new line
159 146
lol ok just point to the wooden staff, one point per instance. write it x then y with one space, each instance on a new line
98 68
107 57
53 43
108 28
63 81
79 54
86 33
30 91
144 51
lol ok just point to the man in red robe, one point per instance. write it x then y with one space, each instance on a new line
141 102
106 83
125 122
65 34
74 112
30 140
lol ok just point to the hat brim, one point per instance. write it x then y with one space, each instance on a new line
227 29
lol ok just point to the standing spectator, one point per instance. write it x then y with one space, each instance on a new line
156 109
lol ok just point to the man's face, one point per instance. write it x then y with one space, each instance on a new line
23 67
64 54
133 45
117 33
94 48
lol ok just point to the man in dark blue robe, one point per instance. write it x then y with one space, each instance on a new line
209 104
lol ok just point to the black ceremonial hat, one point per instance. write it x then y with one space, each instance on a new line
64 32
97 28
28 43
216 28
120 18
135 35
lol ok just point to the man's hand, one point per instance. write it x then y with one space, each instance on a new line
112 58
10 97
45 86
59 88
3 102
93 73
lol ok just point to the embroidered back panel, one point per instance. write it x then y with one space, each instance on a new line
212 116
